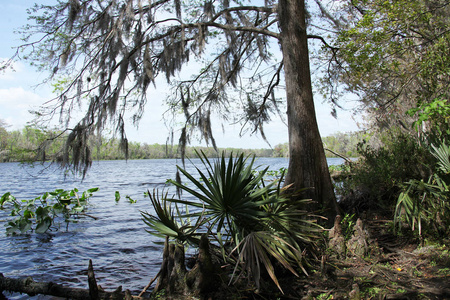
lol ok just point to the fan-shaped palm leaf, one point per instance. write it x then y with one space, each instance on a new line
442 153
165 223
239 209
259 247
230 193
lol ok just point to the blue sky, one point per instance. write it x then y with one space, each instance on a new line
20 92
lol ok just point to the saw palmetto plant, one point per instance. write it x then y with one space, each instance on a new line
427 201
235 206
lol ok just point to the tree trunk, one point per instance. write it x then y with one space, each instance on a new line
307 162
203 280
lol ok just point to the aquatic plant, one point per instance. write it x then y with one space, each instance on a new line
40 214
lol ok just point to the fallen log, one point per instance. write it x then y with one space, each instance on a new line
32 288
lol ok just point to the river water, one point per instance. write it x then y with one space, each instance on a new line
123 253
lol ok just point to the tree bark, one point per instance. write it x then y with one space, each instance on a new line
307 169
203 280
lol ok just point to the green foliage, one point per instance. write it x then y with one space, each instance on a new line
281 150
34 143
131 200
339 168
403 176
344 144
427 202
376 176
3 140
41 213
117 196
347 223
435 115
278 174
166 223
236 207
42 144
394 56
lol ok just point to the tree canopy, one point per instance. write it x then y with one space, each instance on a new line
393 55
105 55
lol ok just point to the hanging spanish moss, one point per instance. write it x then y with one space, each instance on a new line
113 50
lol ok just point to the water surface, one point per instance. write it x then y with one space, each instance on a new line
123 253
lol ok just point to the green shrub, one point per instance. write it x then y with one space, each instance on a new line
373 181
425 204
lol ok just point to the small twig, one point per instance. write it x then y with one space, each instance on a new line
150 283
90 216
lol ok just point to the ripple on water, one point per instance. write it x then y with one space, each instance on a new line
123 253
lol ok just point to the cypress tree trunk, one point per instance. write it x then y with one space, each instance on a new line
307 162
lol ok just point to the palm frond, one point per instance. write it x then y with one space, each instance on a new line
229 191
442 154
165 223
259 247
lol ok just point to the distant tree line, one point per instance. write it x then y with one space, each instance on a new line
32 143
337 144
109 150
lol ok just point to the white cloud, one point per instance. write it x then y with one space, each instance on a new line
15 103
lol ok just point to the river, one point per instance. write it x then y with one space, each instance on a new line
123 253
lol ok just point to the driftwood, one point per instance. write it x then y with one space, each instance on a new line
32 288
93 287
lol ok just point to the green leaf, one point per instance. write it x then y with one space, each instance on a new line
65 201
24 225
42 212
78 209
57 207
117 196
6 197
28 214
43 225
12 230
130 199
